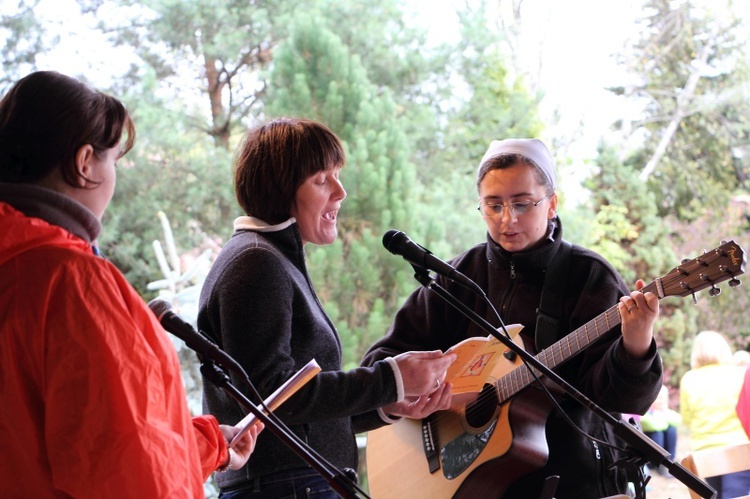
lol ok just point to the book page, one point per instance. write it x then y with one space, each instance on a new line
476 358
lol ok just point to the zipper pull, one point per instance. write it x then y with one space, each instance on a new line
596 451
512 270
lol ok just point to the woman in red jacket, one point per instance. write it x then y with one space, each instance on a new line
92 400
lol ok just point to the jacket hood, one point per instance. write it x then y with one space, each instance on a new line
19 233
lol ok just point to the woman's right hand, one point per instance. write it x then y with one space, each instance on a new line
425 390
423 373
421 407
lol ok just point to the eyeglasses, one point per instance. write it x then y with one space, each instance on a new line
517 209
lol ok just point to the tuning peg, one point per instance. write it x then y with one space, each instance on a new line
685 260
695 299
734 282
714 291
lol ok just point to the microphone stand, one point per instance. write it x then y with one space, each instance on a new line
337 479
644 448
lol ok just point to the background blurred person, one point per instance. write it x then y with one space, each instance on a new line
709 392
92 400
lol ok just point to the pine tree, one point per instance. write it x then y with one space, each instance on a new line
359 281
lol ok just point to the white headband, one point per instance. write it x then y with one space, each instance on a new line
533 149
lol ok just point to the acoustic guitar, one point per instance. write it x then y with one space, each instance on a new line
488 442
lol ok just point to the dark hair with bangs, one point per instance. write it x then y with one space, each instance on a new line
276 158
46 117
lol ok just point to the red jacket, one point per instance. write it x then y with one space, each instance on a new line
91 399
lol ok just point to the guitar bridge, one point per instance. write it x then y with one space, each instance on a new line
429 444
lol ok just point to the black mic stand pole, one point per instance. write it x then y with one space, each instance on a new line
644 446
338 481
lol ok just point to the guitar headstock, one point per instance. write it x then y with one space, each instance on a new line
712 267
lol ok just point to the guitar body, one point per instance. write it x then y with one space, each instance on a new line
480 455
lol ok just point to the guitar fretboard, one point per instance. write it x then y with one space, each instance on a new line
712 267
572 344
554 355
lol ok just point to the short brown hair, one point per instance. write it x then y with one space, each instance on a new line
276 158
46 117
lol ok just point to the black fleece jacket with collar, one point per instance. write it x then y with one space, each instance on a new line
259 305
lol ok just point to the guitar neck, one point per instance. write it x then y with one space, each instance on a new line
569 346
554 355
715 266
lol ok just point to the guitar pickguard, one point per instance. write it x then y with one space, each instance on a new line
458 454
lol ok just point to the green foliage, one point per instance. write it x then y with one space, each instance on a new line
398 59
315 76
692 67
219 47
496 104
689 67
22 39
391 48
628 230
175 169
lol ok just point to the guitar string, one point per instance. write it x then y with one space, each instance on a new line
511 388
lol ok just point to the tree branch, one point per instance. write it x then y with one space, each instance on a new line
683 100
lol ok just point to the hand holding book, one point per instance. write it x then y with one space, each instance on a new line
278 397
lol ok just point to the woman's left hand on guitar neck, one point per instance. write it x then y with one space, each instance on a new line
639 312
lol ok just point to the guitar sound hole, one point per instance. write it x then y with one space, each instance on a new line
482 411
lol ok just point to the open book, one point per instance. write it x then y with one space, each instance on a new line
476 358
278 397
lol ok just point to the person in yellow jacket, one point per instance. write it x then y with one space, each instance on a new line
92 403
708 395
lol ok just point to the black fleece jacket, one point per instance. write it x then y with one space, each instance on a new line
259 305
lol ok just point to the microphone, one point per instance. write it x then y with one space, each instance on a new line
399 243
205 348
